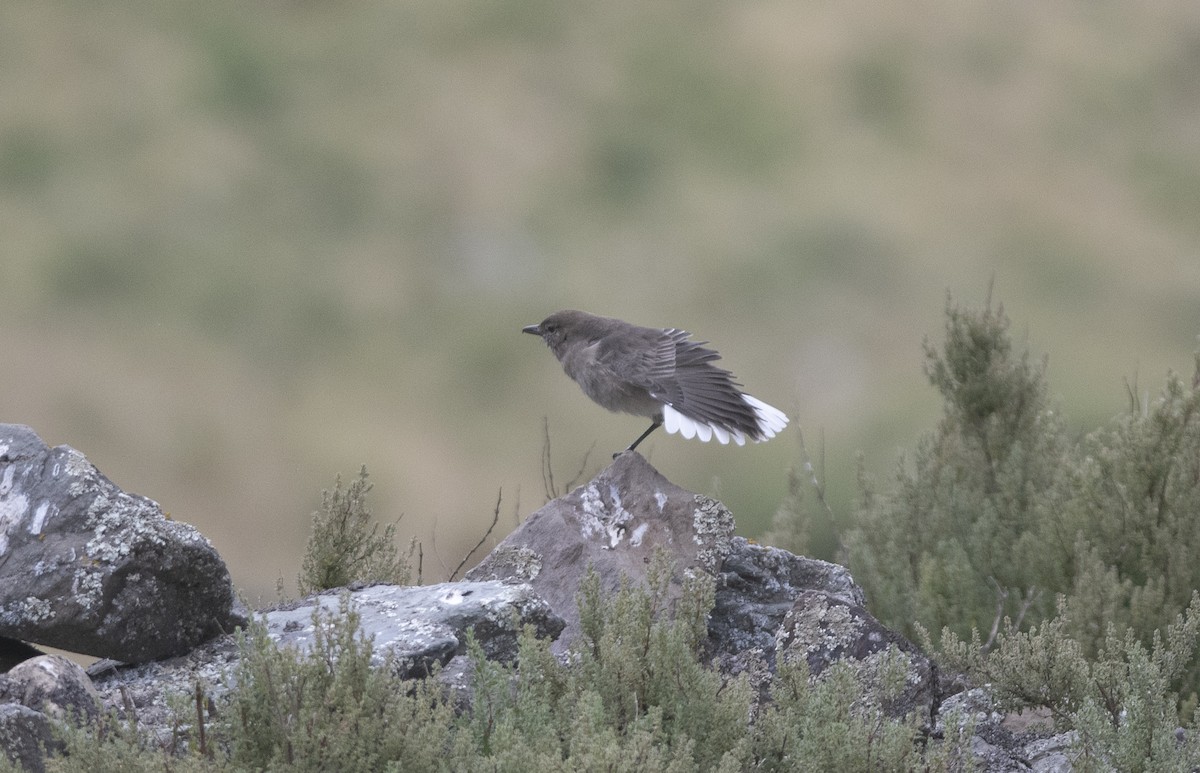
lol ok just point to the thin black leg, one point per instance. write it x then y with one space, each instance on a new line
641 437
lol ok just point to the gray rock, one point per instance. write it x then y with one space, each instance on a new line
89 568
995 747
614 524
24 733
1051 755
757 586
53 685
419 625
423 625
824 629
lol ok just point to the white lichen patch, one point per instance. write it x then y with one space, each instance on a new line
6 480
28 610
119 524
599 517
635 539
14 507
660 499
591 505
712 530
87 587
818 628
38 523
82 474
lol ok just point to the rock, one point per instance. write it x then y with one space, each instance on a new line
757 586
419 625
771 604
23 734
90 568
138 694
824 629
1053 754
423 625
614 524
53 685
995 747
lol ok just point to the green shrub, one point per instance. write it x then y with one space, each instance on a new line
634 695
1002 512
1120 701
1059 570
345 547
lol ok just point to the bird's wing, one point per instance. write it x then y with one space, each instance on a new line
700 399
684 378
642 356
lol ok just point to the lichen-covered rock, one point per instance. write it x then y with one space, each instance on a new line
824 629
417 626
613 525
90 568
422 625
757 586
53 685
23 734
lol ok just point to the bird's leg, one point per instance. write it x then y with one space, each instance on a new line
653 426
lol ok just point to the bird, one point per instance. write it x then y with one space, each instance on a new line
659 373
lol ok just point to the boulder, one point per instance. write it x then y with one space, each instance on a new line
757 586
823 629
418 626
24 733
53 685
422 625
87 567
612 525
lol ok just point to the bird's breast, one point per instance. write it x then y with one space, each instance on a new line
606 387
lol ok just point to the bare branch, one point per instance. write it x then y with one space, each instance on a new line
1001 597
1027 600
817 485
547 469
483 539
551 490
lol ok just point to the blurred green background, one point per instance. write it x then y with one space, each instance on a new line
249 245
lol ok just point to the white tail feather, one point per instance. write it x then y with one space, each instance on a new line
671 419
770 421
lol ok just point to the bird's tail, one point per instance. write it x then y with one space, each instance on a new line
769 422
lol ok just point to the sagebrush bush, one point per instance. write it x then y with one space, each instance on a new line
1001 512
346 547
1060 570
633 695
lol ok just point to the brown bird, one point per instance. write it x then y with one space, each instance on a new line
658 373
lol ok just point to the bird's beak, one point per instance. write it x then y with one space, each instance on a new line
532 329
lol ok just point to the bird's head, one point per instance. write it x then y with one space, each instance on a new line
559 328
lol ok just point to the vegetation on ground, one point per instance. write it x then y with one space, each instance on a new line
1052 567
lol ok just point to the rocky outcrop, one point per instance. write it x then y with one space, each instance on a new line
613 526
87 567
771 606
416 627
425 625
53 685
34 694
24 733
